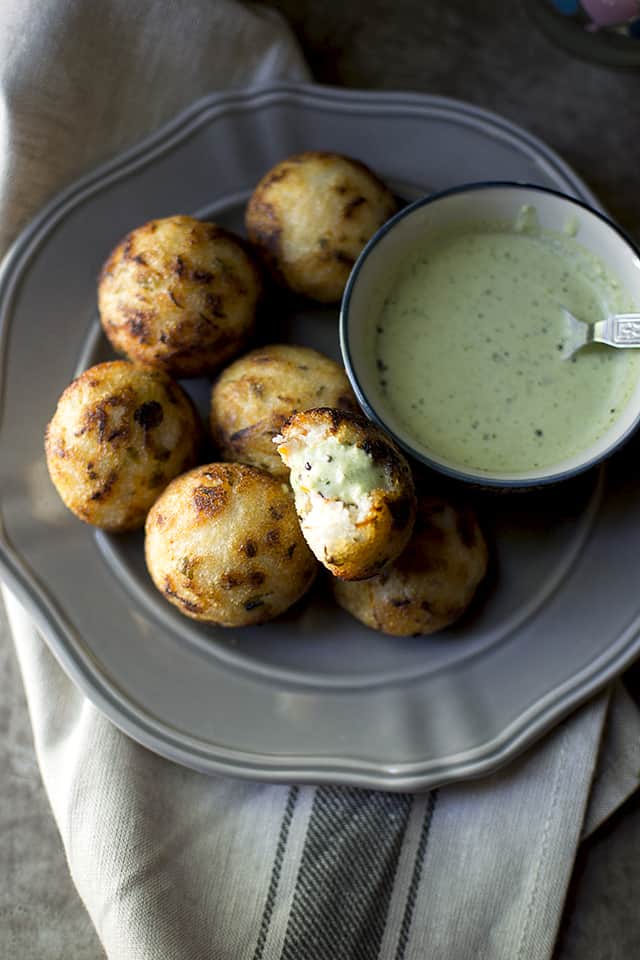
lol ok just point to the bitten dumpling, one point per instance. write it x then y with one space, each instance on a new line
354 490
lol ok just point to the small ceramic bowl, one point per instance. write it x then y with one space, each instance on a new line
378 264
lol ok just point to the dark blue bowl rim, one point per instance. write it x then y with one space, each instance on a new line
476 479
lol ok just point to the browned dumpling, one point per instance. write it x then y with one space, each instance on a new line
180 295
354 490
120 433
223 544
310 217
255 395
433 580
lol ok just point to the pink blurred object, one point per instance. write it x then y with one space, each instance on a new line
607 13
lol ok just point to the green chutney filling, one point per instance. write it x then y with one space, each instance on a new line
335 470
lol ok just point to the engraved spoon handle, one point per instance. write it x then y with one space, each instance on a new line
618 330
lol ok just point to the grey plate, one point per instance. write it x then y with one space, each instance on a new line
314 696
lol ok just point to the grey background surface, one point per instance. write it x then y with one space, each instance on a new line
491 55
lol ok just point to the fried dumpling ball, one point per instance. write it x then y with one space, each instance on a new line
120 433
311 215
180 295
223 544
354 490
255 395
433 580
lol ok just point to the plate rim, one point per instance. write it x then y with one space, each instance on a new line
42 607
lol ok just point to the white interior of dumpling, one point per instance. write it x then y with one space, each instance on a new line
333 484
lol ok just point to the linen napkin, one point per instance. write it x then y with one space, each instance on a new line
174 865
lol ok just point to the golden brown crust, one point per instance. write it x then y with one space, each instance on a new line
254 396
179 294
311 215
431 583
120 433
223 544
387 527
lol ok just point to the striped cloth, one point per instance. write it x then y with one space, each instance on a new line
173 865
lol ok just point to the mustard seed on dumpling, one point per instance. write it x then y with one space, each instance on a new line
310 217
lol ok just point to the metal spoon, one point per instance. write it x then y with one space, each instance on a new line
616 330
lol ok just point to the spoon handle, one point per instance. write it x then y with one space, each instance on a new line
620 330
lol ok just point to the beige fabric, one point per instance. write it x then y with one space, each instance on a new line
82 79
173 865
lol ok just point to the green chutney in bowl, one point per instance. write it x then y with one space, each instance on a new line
454 338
